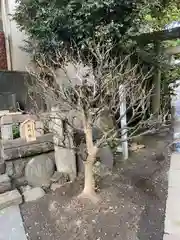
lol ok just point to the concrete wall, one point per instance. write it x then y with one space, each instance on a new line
18 60
16 83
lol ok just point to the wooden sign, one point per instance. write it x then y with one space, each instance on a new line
27 130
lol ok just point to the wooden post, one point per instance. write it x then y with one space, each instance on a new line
156 98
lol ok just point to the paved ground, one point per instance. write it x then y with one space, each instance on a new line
11 225
172 221
132 203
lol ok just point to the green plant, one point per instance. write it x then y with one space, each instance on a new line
70 24
16 131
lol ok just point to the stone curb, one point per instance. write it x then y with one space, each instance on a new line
10 198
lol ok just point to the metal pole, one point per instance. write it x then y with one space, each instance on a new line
122 99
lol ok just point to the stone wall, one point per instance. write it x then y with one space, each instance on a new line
16 169
17 154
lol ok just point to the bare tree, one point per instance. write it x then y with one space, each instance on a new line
100 83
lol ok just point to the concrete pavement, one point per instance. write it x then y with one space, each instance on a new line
172 219
11 225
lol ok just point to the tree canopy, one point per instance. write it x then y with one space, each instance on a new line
61 23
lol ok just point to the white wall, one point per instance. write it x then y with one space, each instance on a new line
18 58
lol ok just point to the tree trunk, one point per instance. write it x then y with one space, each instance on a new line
89 181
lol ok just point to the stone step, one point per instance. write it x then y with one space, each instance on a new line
10 198
5 183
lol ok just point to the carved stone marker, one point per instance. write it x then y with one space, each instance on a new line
39 170
27 130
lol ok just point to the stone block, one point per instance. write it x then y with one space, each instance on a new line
19 168
16 168
39 170
65 161
9 169
10 198
5 183
6 132
19 148
33 194
2 167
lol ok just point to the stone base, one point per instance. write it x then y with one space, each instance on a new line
10 198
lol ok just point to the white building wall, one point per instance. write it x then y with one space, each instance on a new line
18 60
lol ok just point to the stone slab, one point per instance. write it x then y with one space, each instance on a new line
11 225
66 161
5 183
33 194
19 148
10 198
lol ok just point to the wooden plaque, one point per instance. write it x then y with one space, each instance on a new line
27 130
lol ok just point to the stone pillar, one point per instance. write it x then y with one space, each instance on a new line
63 145
6 129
